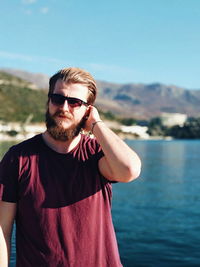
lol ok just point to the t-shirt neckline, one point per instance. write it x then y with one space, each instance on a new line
58 153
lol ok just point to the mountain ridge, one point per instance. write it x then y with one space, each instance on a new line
137 100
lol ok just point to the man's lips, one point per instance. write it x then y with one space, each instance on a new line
62 116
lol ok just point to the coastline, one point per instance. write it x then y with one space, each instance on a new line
16 132
21 137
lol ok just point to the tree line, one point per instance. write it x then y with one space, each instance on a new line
190 129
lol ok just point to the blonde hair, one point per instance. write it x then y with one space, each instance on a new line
75 75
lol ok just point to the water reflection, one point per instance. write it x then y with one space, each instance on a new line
159 225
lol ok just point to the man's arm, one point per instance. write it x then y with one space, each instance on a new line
120 163
7 216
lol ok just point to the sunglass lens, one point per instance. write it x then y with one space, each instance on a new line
57 99
74 102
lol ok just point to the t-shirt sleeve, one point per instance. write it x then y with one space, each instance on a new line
9 177
99 152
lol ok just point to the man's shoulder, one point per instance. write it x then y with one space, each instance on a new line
27 145
23 150
89 142
89 148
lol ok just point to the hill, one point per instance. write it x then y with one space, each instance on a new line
147 101
38 79
139 101
19 100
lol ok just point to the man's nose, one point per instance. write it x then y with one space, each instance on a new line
65 106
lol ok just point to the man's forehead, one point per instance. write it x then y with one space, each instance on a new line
77 88
61 82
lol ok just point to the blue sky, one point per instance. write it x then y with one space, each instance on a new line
122 41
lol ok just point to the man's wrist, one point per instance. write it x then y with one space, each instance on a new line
93 125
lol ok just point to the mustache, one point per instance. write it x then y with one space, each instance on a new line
64 114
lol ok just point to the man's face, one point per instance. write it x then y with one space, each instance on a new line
64 122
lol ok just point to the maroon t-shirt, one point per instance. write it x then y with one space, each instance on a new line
63 205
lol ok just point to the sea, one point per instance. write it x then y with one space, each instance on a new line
157 216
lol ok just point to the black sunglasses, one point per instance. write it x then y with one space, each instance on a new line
59 100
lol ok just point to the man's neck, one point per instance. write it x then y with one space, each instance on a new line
60 146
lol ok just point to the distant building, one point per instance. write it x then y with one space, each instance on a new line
171 119
17 131
10 126
140 131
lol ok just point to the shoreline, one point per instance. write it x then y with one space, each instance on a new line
21 137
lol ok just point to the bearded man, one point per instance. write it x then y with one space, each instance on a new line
57 186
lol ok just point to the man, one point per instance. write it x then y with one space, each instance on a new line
57 185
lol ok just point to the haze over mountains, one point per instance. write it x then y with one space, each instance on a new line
142 101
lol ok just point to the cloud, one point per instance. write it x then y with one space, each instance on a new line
111 68
28 11
27 6
14 56
28 58
44 10
28 2
111 72
105 71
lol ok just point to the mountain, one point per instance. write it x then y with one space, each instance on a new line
40 80
147 101
141 101
19 101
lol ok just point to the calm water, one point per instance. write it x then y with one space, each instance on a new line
157 216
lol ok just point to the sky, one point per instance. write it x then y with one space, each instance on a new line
120 41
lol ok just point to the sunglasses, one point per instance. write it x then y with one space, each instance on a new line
59 100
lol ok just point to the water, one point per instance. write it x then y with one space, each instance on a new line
156 217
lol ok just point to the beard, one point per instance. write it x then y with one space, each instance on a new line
60 133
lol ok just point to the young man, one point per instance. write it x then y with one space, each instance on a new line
57 185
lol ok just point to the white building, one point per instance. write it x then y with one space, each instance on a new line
22 131
140 131
171 119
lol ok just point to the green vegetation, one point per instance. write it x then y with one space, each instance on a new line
190 129
10 79
108 115
18 101
156 128
128 121
12 133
